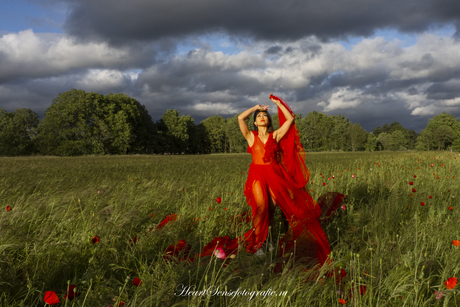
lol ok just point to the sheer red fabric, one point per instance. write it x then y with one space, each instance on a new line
278 171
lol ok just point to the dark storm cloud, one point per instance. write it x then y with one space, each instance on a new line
120 21
444 90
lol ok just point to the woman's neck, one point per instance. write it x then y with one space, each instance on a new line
263 130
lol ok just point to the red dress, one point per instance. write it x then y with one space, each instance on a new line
278 171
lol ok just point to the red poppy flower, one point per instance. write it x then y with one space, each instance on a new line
456 242
225 209
70 294
95 239
51 298
415 176
450 283
342 301
413 190
324 183
362 289
137 282
429 197
121 303
422 203
8 208
219 200
411 183
450 208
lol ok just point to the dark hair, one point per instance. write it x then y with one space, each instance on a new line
270 122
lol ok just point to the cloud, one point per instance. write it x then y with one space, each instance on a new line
121 22
373 82
29 55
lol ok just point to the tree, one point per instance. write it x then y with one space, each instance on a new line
173 132
79 123
383 141
397 141
315 131
425 141
371 143
340 138
444 136
443 119
235 139
357 136
18 131
215 130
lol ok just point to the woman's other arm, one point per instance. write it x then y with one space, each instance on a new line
278 134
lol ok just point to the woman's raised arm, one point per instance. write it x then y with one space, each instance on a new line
278 134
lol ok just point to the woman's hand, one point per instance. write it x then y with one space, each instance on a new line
275 101
262 107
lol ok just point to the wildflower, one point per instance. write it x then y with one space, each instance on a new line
225 209
413 190
343 207
342 301
429 197
324 183
416 176
51 298
71 293
133 240
450 208
450 283
137 282
95 239
8 208
411 183
353 176
328 178
219 200
438 295
422 203
456 242
219 253
153 214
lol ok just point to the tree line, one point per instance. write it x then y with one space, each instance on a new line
80 123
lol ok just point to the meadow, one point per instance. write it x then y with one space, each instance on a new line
91 223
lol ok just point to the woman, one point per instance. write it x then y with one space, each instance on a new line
270 181
278 176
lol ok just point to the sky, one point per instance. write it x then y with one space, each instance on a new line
373 61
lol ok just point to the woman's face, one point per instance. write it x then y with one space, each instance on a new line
262 119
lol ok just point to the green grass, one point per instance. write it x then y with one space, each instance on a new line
385 240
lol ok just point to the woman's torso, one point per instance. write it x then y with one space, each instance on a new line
263 154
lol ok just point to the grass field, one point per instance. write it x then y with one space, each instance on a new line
394 239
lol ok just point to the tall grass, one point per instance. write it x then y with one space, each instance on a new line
397 250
